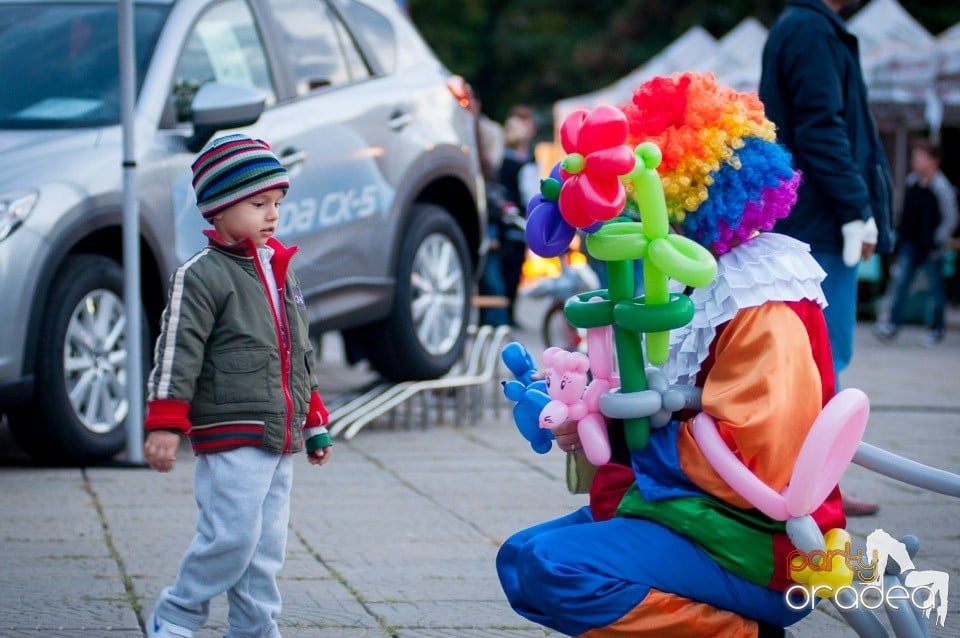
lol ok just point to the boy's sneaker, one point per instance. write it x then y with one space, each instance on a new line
885 332
157 628
932 338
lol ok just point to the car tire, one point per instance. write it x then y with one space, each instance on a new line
557 331
425 332
55 429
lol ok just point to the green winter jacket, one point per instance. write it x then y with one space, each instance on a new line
228 370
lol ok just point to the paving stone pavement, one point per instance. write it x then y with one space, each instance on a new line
397 535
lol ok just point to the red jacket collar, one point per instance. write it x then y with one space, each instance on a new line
246 247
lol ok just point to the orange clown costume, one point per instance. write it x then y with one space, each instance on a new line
666 547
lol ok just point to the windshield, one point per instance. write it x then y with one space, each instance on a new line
59 62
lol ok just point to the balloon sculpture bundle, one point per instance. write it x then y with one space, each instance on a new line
687 154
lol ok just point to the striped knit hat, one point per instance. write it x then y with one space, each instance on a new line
233 168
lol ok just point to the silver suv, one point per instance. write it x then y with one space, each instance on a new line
385 199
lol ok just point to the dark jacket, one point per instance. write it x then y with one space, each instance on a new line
229 370
813 89
929 215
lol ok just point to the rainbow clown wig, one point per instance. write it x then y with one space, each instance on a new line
724 176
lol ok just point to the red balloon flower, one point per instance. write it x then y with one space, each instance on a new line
597 157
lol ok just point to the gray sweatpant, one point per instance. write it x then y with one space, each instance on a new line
243 497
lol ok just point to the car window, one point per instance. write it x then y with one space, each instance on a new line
375 31
318 49
224 46
355 63
59 62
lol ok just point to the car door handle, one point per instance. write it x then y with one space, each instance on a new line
399 119
290 157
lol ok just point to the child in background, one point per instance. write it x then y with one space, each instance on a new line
926 226
234 372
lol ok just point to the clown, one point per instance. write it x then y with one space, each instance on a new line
666 547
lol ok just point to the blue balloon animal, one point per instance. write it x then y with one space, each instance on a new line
530 396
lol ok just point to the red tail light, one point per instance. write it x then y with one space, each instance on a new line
461 90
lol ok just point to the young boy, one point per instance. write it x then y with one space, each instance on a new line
234 372
927 221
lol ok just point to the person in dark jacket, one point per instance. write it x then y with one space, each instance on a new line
813 89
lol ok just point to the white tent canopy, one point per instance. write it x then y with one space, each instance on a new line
695 44
899 57
885 23
736 60
911 74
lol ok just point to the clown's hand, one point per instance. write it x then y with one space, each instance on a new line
659 402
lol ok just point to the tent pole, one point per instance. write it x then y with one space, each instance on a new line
131 234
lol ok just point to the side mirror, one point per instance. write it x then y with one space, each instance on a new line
218 106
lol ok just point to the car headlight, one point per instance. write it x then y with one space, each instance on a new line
14 208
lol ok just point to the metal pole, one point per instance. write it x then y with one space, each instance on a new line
131 234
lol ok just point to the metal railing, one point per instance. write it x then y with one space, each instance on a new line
466 379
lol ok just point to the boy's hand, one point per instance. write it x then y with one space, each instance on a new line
320 455
160 449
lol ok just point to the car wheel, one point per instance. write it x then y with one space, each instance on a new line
424 335
80 397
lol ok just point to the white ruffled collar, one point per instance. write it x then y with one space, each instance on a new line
769 267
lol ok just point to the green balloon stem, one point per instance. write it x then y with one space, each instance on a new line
620 280
654 227
656 289
633 378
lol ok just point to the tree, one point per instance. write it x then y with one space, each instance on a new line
521 51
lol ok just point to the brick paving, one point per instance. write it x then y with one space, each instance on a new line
397 535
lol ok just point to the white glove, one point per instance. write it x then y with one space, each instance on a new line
870 232
855 235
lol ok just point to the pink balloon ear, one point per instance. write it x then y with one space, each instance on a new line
570 130
551 356
580 362
604 127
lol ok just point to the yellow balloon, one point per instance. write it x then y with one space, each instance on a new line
824 572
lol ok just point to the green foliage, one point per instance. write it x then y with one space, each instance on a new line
521 51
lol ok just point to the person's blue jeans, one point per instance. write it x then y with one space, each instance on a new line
840 289
909 265
492 283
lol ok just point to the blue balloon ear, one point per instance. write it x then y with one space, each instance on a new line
518 360
513 390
